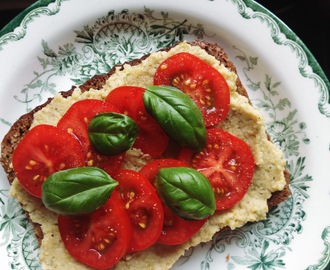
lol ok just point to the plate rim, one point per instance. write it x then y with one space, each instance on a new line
319 72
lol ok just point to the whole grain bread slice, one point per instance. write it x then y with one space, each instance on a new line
23 124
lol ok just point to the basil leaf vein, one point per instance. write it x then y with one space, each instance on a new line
186 192
112 133
77 191
177 114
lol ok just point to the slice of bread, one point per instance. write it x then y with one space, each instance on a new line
156 257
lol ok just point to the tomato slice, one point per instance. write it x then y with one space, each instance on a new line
203 83
176 230
151 169
143 207
76 121
44 150
228 163
99 239
129 100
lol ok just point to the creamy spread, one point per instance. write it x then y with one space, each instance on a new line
243 121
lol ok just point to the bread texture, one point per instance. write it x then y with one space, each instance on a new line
157 253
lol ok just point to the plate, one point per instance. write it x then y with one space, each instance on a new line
55 44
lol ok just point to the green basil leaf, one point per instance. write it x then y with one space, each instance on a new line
177 114
77 191
187 192
112 133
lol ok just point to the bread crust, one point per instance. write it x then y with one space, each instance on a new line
23 124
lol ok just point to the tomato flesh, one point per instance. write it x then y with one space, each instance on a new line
129 100
175 230
227 162
76 121
203 83
99 239
42 152
143 207
78 116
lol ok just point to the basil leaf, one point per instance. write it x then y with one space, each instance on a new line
177 114
187 192
77 191
112 133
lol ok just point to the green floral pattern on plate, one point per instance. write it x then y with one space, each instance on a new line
120 36
114 39
17 234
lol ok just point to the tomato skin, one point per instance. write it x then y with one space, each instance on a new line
151 169
99 239
129 100
176 230
78 116
227 162
143 207
76 120
199 80
42 152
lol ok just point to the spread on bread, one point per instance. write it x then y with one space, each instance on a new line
164 142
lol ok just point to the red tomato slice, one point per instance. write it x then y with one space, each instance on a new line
203 83
76 121
151 169
176 230
44 150
227 162
151 139
99 239
143 206
78 116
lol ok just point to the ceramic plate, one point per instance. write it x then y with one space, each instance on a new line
55 44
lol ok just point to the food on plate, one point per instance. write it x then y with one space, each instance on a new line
147 133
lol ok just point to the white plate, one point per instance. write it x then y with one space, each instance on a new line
56 44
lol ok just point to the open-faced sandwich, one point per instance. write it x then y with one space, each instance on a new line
136 166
